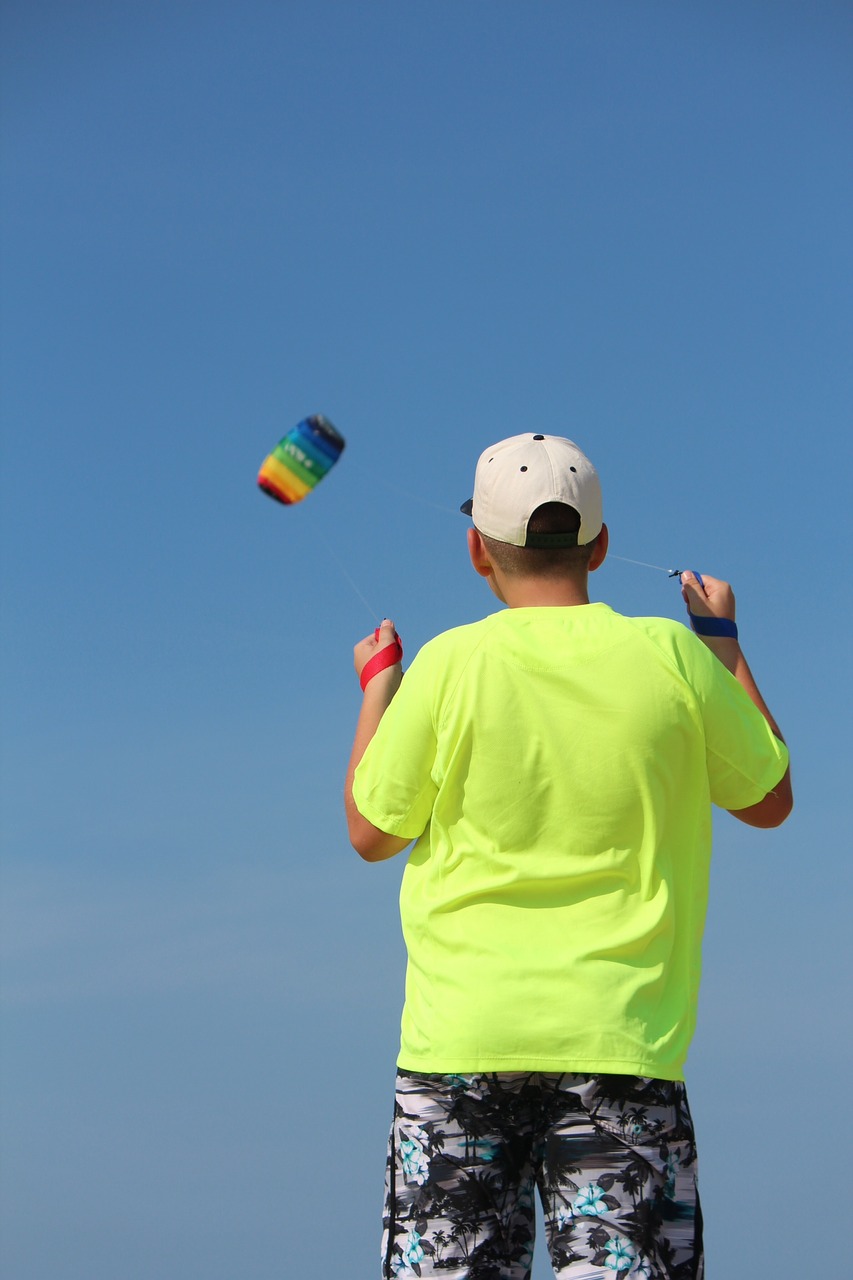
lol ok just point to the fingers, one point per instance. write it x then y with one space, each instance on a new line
693 591
386 656
706 596
366 649
378 639
387 633
704 581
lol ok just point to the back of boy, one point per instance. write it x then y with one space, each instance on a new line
556 764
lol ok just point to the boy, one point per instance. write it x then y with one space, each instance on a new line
556 764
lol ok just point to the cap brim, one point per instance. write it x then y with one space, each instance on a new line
467 507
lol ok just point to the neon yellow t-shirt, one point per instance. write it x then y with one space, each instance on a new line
557 767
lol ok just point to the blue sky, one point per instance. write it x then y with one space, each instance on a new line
439 224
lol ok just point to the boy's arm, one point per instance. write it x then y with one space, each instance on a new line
373 844
716 599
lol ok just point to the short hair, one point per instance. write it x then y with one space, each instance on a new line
543 562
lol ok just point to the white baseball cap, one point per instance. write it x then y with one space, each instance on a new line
516 476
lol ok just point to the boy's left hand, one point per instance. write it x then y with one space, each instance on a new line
367 649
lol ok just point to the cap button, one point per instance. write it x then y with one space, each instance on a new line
538 437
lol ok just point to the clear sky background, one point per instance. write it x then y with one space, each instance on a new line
439 224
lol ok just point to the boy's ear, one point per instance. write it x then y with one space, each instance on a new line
599 551
479 555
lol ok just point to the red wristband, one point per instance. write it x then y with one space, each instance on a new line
384 658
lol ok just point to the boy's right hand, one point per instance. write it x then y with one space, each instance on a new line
713 600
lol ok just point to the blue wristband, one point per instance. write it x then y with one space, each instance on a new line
713 626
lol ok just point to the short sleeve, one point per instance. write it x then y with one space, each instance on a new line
394 787
745 759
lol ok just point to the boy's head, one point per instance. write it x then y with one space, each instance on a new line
536 504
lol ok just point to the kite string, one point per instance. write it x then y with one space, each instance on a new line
373 614
416 497
393 489
643 563
404 493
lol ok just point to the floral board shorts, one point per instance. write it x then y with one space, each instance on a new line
613 1158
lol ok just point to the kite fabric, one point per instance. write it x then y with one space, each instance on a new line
300 460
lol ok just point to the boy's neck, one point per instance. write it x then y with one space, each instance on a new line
526 593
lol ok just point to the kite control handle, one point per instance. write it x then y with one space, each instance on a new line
704 626
386 657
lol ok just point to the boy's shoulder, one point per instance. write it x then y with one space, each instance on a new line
594 623
598 615
659 627
461 639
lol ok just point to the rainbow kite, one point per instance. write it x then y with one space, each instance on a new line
300 460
